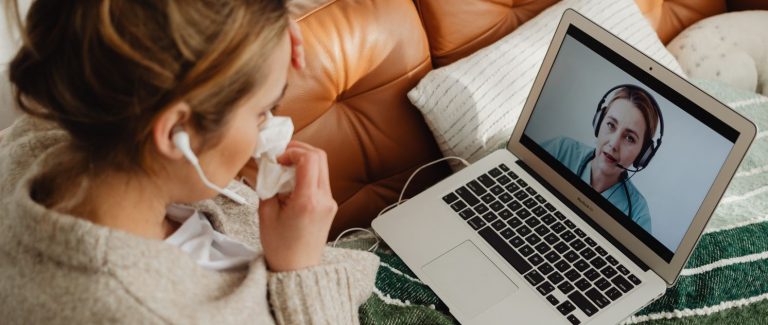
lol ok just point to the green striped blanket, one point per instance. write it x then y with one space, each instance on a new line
725 281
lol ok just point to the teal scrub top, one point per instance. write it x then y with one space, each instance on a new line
572 154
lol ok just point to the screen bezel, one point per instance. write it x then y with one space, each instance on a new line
666 266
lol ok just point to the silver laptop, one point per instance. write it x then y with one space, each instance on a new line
613 170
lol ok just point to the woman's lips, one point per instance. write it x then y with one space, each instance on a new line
609 157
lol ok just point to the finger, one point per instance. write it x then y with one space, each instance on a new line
307 173
268 210
323 178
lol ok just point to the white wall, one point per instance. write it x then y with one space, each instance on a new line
9 44
679 176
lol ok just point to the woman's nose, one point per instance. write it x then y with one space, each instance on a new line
615 141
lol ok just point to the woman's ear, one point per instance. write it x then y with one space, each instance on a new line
168 122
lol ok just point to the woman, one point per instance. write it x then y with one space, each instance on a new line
92 184
624 130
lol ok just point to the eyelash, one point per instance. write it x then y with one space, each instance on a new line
613 127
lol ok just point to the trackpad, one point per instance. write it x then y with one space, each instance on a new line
468 280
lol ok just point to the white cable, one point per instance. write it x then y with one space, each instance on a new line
226 192
400 199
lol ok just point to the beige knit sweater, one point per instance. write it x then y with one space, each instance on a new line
55 268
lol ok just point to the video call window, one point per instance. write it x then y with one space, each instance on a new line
638 154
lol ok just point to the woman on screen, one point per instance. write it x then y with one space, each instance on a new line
624 130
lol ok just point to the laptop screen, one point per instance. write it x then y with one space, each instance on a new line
641 151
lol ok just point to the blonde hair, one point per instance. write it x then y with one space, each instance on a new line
103 70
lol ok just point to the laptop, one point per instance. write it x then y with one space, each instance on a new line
590 212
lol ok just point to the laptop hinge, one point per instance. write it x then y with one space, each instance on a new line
584 217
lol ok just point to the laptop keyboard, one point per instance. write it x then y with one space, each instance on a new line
550 251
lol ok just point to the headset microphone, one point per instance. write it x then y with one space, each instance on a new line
629 170
181 140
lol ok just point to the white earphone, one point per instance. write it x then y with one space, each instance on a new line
181 140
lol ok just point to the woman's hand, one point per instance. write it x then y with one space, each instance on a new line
294 228
297 45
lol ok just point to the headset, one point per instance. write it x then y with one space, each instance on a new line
650 147
181 141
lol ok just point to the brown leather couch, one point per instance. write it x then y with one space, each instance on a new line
363 56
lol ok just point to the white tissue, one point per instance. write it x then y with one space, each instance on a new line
274 178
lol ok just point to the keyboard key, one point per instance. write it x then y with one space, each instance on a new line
498 225
597 298
523 213
580 233
573 319
559 215
552 256
523 231
495 172
623 270
561 247
572 275
533 239
609 272
488 198
507 233
496 190
600 251
542 247
550 207
598 263
476 223
540 198
566 287
562 266
497 206
526 250
503 180
509 254
611 260
467 213
551 238
581 265
558 227
486 180
583 284
514 222
514 206
512 175
578 245
586 307
567 236
535 259
566 308
467 196
505 198
555 278
571 256
450 198
545 268
613 294
531 191
522 183
541 230
533 222
635 280
516 241
490 217
602 284
592 275
481 208
591 242
548 219
505 214
569 224
587 253
545 288
534 278
530 203
512 188
458 206
552 300
476 188
503 167
520 195
622 283
539 211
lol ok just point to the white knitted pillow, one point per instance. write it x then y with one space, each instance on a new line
472 105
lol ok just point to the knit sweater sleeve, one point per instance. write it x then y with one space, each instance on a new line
329 293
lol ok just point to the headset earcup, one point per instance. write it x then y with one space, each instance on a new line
646 155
